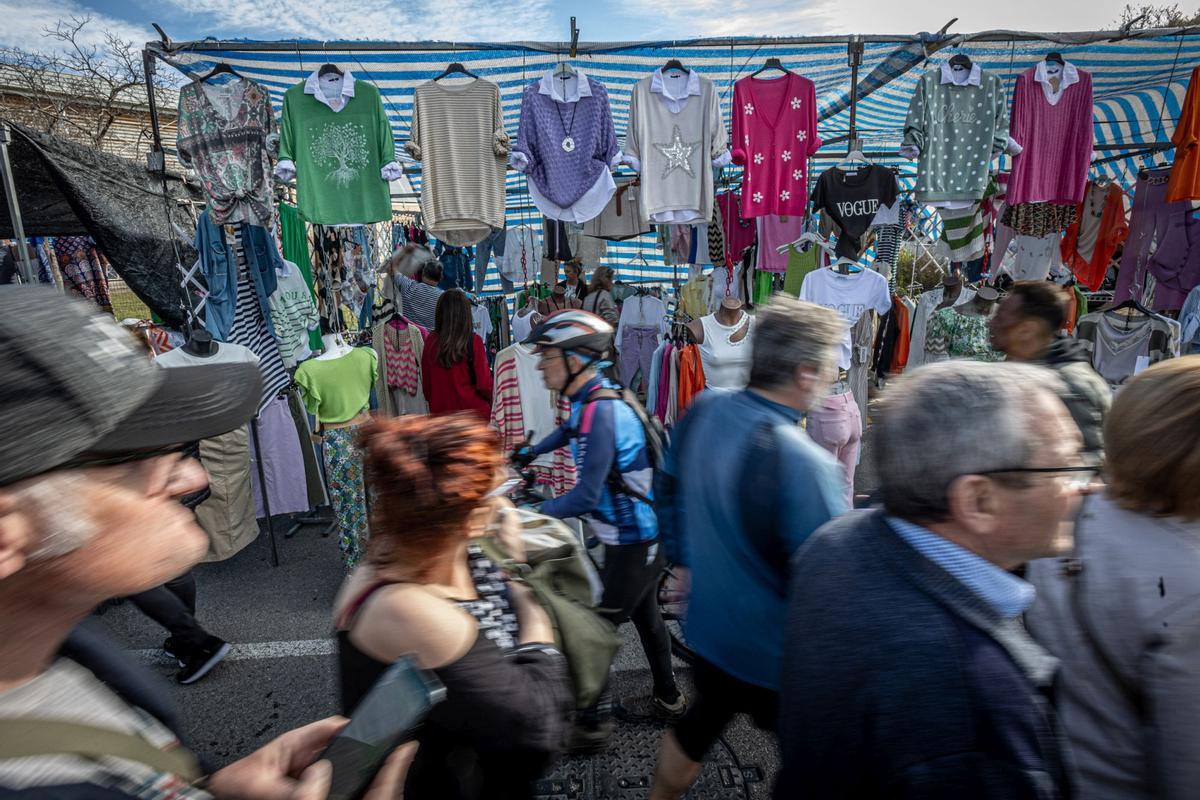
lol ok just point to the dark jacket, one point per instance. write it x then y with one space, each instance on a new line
900 682
1087 395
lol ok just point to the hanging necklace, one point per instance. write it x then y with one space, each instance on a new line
568 144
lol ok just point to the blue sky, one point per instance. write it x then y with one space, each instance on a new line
507 20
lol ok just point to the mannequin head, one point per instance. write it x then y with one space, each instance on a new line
1028 320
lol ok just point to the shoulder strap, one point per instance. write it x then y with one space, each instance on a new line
23 738
615 481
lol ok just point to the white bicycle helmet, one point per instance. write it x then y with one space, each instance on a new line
575 331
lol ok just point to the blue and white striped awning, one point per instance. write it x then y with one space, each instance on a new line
1138 82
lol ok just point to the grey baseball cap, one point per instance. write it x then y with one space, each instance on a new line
74 384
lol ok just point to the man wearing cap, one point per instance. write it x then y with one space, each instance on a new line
90 474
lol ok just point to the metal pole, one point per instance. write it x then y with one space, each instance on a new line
854 52
155 160
28 274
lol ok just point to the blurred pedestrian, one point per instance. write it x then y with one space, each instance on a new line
1123 613
743 487
429 592
1028 327
907 672
91 470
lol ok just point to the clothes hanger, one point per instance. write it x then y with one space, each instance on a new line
961 61
1055 58
853 157
456 68
217 70
564 71
845 267
675 63
771 63
330 69
814 238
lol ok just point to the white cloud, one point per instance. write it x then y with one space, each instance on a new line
25 24
685 18
380 20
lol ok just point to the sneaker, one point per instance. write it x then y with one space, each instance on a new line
588 739
670 712
172 649
200 661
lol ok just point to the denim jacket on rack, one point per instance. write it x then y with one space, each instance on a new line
218 261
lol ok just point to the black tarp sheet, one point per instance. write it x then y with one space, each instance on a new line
69 189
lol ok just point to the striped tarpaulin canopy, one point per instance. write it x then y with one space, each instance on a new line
1139 83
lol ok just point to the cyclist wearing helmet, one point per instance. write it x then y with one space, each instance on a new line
613 491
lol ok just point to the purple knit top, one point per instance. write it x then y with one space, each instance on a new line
561 176
1056 142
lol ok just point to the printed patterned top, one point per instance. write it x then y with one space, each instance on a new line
954 335
226 132
492 609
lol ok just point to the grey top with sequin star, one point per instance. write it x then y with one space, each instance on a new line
676 150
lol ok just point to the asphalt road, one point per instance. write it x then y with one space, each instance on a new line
282 673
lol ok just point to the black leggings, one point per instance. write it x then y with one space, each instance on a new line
630 576
173 605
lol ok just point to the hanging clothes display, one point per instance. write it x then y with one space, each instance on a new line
251 328
458 136
226 133
641 328
954 333
726 351
1100 227
293 315
851 296
927 304
227 515
399 344
456 266
1038 219
862 348
1159 264
739 231
293 240
773 233
281 460
567 145
892 342
521 406
1123 342
673 141
676 378
962 236
851 196
1189 321
84 269
521 261
1052 124
335 139
1184 183
836 425
336 391
774 135
956 124
622 217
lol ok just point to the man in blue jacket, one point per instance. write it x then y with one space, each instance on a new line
907 671
742 488
614 488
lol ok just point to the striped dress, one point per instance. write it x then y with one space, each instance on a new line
249 329
458 136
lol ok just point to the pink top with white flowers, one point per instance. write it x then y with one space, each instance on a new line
774 133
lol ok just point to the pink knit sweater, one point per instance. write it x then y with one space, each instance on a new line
1056 141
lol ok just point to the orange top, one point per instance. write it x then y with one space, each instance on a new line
903 339
691 377
1185 174
1113 230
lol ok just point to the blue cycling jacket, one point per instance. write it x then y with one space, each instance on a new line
601 432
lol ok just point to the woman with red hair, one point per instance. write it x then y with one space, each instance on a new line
427 591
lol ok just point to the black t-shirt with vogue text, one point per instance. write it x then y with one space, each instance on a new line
851 197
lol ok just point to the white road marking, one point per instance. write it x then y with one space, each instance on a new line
252 651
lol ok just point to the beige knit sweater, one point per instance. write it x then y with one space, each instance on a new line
458 136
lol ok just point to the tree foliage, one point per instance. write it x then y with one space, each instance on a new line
74 87
1137 17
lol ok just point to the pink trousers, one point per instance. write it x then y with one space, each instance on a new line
837 426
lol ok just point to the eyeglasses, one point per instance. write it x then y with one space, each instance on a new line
1076 478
